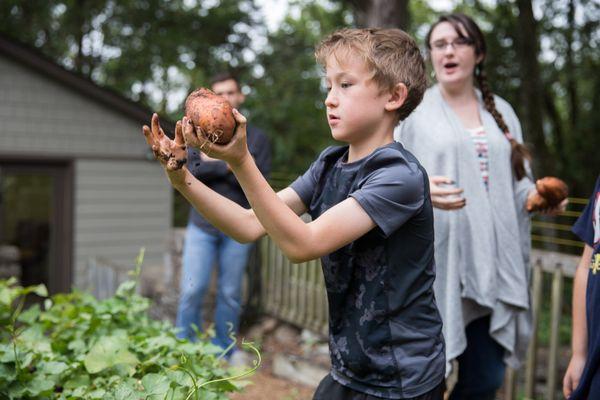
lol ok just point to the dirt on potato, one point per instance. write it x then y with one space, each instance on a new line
211 115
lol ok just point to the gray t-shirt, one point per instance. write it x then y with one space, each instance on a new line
385 331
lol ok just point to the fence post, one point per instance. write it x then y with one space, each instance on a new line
510 384
557 285
532 351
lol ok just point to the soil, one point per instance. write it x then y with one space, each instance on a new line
265 386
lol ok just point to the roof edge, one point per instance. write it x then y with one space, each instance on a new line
34 59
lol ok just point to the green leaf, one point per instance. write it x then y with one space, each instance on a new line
96 394
82 380
76 345
126 391
156 385
108 352
7 373
30 315
126 288
40 384
53 367
40 290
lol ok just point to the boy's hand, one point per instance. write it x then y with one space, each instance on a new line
235 152
442 198
573 375
171 154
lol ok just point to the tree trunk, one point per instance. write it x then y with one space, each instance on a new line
570 67
527 53
381 13
557 151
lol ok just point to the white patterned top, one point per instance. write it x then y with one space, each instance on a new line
481 148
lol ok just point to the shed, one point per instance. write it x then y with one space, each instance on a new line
77 184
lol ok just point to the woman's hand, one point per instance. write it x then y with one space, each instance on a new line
445 199
534 200
171 154
235 153
573 374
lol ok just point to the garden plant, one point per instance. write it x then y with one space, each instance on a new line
73 346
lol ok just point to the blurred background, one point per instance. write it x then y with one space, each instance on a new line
543 58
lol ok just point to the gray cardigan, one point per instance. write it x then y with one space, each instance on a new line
482 250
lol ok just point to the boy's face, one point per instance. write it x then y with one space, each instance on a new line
355 103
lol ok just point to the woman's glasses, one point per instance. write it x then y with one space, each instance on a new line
457 44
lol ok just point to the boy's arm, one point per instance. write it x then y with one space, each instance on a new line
338 226
226 215
579 338
299 241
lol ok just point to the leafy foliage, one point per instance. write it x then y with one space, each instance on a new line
76 347
287 97
156 51
147 50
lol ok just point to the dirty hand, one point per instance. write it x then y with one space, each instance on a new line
171 154
235 152
445 199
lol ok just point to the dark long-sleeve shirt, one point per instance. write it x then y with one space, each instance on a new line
219 178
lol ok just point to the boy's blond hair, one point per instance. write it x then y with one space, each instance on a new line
391 54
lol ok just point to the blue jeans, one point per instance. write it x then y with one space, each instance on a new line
200 251
481 366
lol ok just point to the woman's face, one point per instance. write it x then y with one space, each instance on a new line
453 57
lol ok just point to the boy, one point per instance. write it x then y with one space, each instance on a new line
372 218
582 379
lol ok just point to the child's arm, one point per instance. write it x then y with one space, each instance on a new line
579 337
300 241
231 218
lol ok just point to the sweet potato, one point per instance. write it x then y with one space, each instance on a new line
551 192
211 115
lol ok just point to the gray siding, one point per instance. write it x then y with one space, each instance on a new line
120 206
122 201
42 116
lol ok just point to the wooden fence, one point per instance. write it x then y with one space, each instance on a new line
104 277
296 293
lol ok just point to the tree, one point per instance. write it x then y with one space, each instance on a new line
530 98
286 97
381 13
148 50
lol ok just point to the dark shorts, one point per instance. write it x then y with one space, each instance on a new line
329 389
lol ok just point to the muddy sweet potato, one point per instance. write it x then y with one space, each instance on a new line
551 192
211 115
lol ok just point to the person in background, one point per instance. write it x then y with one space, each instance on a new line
470 143
582 379
205 245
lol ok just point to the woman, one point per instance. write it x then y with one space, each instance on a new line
470 143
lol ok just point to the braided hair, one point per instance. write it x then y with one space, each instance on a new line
464 24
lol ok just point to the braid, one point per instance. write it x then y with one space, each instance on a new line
519 152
